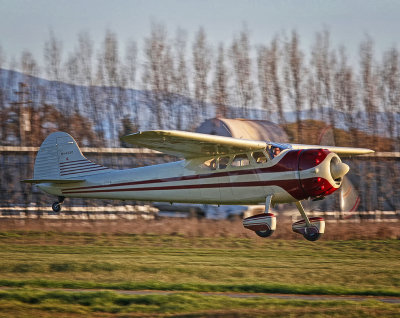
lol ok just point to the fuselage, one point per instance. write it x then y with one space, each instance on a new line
292 176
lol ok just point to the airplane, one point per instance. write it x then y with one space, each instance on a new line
214 170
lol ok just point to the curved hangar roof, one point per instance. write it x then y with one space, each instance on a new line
244 129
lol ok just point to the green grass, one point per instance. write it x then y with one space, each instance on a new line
133 262
70 304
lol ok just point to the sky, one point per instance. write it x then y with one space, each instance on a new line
26 24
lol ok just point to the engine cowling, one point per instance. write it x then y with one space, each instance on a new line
320 172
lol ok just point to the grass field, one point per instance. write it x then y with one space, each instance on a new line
31 260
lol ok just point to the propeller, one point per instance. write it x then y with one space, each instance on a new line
338 169
348 195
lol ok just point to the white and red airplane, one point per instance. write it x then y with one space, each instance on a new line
215 170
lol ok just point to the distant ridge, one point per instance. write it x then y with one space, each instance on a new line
112 104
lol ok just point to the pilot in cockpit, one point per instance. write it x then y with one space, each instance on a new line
276 151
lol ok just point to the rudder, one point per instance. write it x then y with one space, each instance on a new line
59 157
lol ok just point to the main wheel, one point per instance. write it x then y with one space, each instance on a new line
56 206
312 234
264 233
312 237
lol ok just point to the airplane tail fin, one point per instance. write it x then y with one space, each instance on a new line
59 159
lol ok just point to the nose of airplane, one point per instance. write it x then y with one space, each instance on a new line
338 169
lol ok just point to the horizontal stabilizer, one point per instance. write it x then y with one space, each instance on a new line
63 181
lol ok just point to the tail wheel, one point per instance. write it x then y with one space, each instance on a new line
264 233
56 206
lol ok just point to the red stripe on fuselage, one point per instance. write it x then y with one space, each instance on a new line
291 186
195 186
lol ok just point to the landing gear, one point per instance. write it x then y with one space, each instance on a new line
56 206
263 224
311 228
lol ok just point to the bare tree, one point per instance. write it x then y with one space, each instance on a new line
53 58
2 57
324 65
368 84
269 81
389 98
54 71
83 59
29 65
30 69
345 89
240 55
220 85
201 66
131 63
168 97
130 71
156 52
273 63
180 78
110 82
111 58
3 111
390 90
294 79
72 74
84 54
264 80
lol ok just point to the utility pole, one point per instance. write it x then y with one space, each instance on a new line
23 111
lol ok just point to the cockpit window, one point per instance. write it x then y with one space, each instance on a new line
223 162
259 157
240 161
210 164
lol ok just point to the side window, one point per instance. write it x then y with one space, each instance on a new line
210 164
240 161
223 162
259 157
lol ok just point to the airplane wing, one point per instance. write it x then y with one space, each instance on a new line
341 151
190 145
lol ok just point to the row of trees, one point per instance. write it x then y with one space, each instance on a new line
170 82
